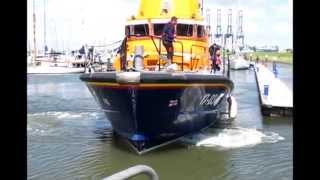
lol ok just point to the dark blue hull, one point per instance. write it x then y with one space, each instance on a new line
153 112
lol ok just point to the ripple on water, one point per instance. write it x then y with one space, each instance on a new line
69 139
69 143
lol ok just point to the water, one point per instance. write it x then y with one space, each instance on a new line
70 138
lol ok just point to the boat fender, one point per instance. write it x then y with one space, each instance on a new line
138 62
138 58
128 77
233 107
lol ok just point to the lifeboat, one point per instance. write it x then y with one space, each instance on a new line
149 104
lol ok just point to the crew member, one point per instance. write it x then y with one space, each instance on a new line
168 37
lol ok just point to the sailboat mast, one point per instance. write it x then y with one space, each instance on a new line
34 35
44 22
202 7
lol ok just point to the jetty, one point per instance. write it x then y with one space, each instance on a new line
274 95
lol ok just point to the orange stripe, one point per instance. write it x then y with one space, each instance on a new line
158 85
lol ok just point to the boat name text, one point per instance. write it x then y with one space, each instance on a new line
210 99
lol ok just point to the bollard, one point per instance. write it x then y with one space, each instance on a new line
275 70
266 90
276 73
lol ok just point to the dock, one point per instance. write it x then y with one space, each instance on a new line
275 97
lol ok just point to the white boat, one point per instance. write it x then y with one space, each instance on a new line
59 66
238 63
29 59
53 70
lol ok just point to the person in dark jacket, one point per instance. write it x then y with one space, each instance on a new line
213 56
217 60
90 53
168 37
82 51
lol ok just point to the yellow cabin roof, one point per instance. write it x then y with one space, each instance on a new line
164 9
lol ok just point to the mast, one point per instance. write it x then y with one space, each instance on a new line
208 17
44 22
202 7
218 34
34 35
28 48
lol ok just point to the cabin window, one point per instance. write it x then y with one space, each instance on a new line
141 30
184 30
200 31
158 29
137 30
129 30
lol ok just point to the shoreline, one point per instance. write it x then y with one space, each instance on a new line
278 57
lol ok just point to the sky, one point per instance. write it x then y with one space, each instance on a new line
72 23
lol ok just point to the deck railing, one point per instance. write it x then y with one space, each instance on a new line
191 59
159 49
134 171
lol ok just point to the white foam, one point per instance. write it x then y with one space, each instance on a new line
36 131
94 114
63 115
68 115
42 125
272 137
29 128
235 138
36 114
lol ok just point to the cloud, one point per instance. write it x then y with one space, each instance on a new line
74 22
264 21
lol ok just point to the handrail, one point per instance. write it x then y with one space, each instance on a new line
191 59
179 42
123 55
224 61
159 50
133 171
228 72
